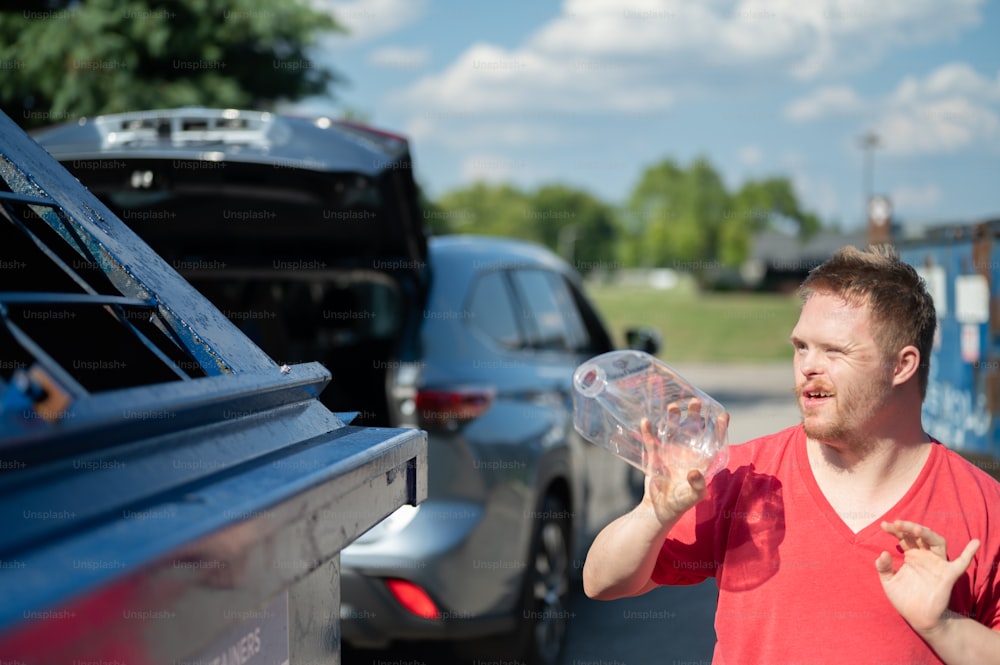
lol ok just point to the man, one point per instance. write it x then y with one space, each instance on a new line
851 538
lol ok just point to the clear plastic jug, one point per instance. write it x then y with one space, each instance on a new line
615 391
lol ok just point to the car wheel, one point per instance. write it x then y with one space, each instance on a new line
545 608
544 614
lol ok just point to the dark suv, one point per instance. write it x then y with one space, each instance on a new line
307 233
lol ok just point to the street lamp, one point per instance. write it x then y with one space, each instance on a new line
878 209
868 142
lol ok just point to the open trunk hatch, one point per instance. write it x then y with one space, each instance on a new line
305 232
247 187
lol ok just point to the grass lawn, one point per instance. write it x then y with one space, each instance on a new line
702 327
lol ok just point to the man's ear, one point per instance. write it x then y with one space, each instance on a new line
907 364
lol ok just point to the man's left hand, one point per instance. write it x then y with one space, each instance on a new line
921 588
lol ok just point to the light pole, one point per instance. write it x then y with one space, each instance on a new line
868 142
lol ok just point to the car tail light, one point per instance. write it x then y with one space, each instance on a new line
413 598
448 408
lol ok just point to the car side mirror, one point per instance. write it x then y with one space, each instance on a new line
644 339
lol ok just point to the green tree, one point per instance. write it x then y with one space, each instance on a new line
649 214
685 217
760 205
86 57
575 224
489 209
435 219
675 215
571 222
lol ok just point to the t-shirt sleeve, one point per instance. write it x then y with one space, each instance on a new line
973 496
965 492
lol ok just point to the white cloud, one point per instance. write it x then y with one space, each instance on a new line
487 79
368 19
848 34
643 56
940 126
826 101
399 57
953 107
463 132
648 57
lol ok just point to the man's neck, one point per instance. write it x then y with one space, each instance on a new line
874 457
863 481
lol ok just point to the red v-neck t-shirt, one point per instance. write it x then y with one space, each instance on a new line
796 585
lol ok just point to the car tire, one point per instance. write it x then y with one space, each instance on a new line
544 612
546 598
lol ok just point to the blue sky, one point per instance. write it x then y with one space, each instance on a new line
591 92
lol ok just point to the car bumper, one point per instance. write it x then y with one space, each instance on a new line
371 618
445 551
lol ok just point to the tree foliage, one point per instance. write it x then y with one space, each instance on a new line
482 208
572 222
676 216
580 227
687 218
88 57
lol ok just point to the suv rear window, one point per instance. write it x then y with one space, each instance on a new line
493 311
549 314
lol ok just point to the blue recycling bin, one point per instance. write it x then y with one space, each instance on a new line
961 265
168 493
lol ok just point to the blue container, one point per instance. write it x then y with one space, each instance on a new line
961 265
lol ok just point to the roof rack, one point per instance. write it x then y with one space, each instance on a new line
190 126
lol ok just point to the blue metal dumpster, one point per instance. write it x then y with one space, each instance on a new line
961 265
168 493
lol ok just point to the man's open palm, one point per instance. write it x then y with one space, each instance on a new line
921 588
671 491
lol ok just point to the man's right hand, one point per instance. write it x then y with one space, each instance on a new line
670 497
671 492
622 557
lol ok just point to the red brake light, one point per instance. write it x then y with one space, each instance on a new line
413 598
450 407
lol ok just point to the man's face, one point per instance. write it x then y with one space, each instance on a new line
842 379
